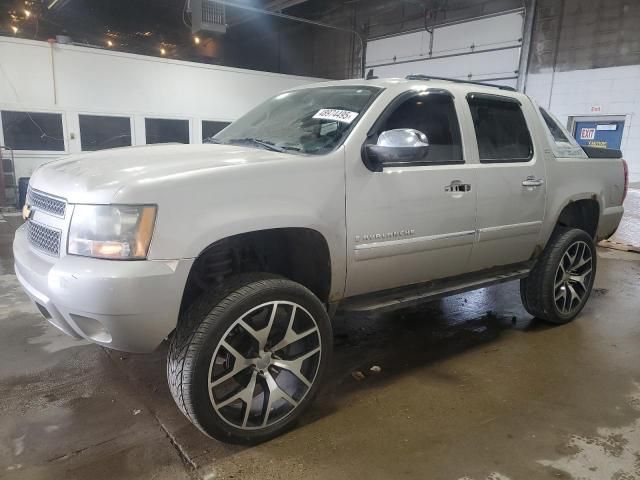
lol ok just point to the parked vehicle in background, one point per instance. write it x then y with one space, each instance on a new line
360 194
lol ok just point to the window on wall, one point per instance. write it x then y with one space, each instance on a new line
99 132
33 131
501 130
210 129
433 114
162 130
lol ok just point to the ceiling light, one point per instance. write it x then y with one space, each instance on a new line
196 40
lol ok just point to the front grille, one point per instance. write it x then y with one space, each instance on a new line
46 203
44 238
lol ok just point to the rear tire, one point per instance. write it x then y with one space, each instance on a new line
558 287
247 360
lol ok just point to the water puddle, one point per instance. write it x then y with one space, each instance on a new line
614 453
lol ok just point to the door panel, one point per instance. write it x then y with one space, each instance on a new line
511 182
411 223
509 214
404 228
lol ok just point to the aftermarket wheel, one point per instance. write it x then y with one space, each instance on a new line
246 362
561 282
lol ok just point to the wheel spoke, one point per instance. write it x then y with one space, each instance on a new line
290 335
581 279
572 256
574 295
295 366
261 335
275 393
245 394
584 258
239 364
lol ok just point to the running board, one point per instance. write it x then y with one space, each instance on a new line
416 294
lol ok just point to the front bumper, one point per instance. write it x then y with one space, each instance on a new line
125 305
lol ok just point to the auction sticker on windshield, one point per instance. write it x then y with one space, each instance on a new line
344 116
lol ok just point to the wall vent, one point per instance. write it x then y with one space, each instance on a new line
208 16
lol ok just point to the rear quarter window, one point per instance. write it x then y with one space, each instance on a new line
560 140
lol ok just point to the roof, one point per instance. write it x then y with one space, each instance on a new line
402 84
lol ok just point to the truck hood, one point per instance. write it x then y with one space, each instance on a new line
97 177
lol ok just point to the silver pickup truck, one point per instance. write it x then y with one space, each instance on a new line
360 194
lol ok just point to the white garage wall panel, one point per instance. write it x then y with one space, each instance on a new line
72 80
613 91
484 49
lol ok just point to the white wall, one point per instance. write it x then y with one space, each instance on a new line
37 76
595 92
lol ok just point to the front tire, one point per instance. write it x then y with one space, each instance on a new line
559 286
247 360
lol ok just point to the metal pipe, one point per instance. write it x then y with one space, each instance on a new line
527 38
555 53
426 27
301 20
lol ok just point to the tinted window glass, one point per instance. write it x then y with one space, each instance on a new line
209 129
501 130
33 131
554 128
434 115
98 132
161 130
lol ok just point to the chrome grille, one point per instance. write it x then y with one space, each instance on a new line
44 238
46 203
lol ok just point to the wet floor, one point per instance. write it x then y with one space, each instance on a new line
628 232
470 387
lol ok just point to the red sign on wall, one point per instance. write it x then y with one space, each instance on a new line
587 133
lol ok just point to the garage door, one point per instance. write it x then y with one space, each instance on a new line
483 49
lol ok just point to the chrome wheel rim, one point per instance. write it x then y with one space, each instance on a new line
573 277
265 365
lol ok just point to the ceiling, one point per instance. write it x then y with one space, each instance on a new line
150 27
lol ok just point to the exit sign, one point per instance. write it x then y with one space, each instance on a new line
596 109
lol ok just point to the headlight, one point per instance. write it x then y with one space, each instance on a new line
121 232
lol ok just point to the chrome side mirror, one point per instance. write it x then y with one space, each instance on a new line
403 138
395 148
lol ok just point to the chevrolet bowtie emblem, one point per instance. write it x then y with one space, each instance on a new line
27 212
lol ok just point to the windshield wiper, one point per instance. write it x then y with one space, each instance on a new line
212 140
257 141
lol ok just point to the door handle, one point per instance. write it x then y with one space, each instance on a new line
532 181
457 187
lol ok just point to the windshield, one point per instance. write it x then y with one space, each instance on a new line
311 121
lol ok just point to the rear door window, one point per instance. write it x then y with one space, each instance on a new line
501 129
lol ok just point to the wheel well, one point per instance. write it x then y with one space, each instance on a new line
299 254
582 214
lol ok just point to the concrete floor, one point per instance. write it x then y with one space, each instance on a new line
471 388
